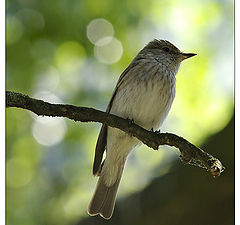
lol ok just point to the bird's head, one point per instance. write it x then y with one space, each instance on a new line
166 53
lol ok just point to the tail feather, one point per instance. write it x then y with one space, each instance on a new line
104 198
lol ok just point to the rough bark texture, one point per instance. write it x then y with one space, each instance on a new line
190 154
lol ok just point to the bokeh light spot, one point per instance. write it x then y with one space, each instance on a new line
31 19
108 50
99 28
48 80
47 96
43 50
26 148
70 55
19 172
14 30
78 198
48 131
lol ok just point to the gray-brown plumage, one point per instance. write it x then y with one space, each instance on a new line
144 93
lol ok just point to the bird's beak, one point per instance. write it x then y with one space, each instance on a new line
187 55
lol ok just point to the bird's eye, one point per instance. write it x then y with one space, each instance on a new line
165 49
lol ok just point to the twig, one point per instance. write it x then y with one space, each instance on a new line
190 154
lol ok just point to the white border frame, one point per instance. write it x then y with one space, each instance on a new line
2 111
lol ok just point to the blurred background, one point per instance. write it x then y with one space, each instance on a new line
73 52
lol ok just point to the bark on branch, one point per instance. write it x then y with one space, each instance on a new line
190 154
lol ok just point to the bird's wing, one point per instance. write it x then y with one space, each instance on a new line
102 137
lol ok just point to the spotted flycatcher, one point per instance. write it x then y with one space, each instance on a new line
144 93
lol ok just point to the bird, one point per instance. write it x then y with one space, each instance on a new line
144 94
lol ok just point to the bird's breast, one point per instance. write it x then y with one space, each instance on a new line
145 97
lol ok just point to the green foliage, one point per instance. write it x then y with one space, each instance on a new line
50 56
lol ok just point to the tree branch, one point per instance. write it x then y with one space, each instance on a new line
190 154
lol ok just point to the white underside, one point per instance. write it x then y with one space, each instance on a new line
148 105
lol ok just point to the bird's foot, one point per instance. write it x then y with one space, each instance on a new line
130 121
157 131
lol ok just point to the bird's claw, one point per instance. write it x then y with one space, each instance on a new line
157 131
130 121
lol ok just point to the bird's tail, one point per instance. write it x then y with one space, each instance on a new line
104 197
